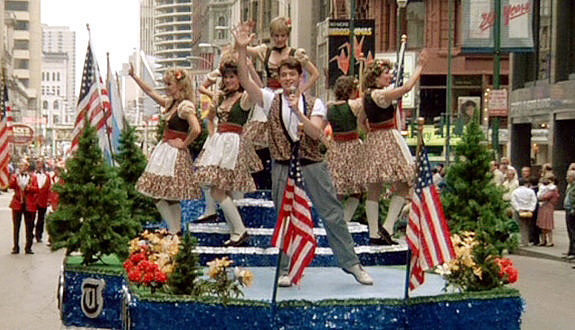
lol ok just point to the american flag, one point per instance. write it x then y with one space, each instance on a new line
93 104
397 81
299 241
5 131
427 234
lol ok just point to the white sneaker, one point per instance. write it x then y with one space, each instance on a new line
360 274
284 281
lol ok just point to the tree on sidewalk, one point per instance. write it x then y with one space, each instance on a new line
93 216
471 201
132 164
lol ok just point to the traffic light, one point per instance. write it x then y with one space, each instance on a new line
438 125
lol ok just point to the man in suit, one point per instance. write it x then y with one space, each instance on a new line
42 198
23 203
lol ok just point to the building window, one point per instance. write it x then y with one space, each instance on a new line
58 90
45 105
21 25
16 5
55 119
221 31
53 76
21 44
58 76
56 105
22 64
415 24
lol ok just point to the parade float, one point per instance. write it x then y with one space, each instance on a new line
116 275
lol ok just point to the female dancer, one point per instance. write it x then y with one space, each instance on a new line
390 160
226 161
228 55
345 151
168 177
280 29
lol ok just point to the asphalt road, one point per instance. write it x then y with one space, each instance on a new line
28 283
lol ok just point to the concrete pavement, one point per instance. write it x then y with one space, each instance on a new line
27 282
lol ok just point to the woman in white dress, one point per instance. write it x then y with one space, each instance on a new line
169 175
228 159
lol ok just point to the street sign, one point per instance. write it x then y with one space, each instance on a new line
22 134
497 103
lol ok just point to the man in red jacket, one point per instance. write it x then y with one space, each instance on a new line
42 198
23 202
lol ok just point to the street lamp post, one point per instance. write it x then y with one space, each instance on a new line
401 4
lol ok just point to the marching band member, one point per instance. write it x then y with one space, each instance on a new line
23 202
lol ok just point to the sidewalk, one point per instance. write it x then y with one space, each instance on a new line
560 240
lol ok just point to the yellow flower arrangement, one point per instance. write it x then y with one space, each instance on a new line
474 268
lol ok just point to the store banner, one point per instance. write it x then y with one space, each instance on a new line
340 48
516 25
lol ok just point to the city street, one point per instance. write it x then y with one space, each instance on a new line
29 282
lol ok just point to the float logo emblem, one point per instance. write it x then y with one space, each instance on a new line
92 297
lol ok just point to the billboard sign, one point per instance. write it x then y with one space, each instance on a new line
516 25
22 134
340 48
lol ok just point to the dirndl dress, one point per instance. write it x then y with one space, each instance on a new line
229 158
387 155
169 173
344 155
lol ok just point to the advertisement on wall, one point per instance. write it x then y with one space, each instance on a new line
516 25
340 47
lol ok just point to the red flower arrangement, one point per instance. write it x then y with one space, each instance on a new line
142 271
507 272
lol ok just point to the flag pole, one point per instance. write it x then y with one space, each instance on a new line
96 74
420 122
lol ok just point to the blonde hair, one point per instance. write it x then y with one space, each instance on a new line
183 80
374 70
280 25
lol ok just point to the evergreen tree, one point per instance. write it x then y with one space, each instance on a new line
132 164
93 216
187 272
471 200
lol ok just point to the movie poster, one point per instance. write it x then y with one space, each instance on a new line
340 47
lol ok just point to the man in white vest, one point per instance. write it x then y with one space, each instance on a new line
286 111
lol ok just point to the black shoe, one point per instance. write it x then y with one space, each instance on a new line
207 218
239 242
29 252
378 241
387 237
15 251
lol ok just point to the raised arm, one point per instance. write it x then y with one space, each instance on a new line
398 92
147 89
243 37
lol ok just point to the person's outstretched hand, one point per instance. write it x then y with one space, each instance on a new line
243 34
